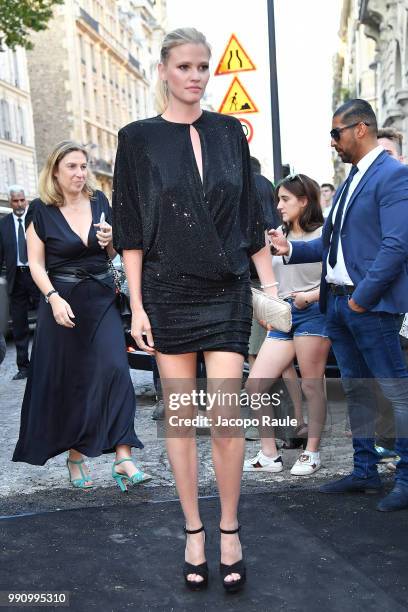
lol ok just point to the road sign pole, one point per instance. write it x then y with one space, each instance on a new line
276 140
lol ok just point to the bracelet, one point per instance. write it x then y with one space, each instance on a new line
49 294
269 285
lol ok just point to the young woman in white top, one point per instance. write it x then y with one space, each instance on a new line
298 202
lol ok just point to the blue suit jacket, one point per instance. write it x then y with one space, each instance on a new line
374 238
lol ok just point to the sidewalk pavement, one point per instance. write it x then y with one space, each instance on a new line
19 480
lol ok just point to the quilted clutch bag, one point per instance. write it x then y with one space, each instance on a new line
274 311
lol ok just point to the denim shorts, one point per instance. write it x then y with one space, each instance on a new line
306 322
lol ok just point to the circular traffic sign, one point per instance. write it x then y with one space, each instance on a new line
247 128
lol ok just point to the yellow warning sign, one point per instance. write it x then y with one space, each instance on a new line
234 58
237 100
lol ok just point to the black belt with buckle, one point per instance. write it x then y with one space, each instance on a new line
23 268
341 289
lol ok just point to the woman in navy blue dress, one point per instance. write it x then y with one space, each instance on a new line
79 395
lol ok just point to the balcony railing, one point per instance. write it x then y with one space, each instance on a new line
89 20
113 42
101 166
134 62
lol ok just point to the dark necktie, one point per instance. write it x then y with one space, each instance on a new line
22 245
335 237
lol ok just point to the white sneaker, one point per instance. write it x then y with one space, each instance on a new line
306 465
262 463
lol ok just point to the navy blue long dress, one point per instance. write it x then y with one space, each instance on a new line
79 393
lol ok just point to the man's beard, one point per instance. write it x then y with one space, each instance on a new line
345 158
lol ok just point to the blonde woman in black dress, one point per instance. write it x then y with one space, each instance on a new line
79 396
187 218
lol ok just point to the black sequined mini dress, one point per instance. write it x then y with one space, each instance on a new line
197 235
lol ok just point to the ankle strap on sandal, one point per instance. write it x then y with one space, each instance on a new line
122 460
230 531
193 531
77 462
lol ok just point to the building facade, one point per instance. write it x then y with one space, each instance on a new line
91 72
17 148
372 62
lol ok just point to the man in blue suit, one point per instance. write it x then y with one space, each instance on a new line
23 293
364 288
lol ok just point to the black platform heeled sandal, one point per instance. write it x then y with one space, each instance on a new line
200 570
236 568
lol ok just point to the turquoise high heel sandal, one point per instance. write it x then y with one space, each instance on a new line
79 483
122 479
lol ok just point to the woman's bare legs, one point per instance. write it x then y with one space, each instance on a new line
178 375
293 386
312 352
274 358
224 374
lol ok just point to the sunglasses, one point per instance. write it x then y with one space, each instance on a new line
290 178
335 133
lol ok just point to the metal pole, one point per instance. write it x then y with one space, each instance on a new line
276 140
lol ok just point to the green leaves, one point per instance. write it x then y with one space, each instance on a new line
19 17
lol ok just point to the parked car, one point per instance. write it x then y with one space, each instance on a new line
4 210
137 359
4 307
2 348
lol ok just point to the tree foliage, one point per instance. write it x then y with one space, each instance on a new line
19 17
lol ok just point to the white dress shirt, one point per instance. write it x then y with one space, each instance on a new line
339 275
326 211
16 226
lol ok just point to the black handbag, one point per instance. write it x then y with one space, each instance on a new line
123 304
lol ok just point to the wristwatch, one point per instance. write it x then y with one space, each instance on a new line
49 294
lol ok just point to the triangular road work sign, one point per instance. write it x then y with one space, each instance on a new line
237 100
234 58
